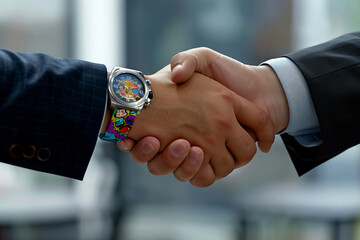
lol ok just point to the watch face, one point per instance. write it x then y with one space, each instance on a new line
128 87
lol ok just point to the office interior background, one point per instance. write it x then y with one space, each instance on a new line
120 199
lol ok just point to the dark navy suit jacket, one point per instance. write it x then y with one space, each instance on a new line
332 73
50 112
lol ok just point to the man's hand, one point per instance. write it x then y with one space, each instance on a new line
208 115
185 160
259 84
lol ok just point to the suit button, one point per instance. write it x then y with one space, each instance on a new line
29 151
43 154
16 150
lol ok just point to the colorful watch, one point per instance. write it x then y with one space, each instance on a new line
129 92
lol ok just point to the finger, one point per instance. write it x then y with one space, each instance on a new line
222 163
242 147
183 65
205 61
145 149
126 144
205 176
190 166
251 133
255 118
201 60
170 159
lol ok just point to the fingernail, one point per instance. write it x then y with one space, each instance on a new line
147 148
194 157
178 150
177 67
123 146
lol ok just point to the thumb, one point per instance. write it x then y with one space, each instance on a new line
183 65
256 119
212 64
126 144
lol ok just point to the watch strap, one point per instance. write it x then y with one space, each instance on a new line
120 125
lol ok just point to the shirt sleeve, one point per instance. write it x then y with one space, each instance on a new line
303 122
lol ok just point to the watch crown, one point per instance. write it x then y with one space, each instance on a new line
148 99
151 95
148 82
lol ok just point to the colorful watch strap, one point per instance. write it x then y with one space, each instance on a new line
120 125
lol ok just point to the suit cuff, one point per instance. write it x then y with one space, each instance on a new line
303 122
105 108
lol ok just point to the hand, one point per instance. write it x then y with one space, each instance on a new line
206 114
179 157
259 84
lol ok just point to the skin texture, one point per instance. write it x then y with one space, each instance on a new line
259 84
211 117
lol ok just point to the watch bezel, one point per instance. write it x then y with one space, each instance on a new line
117 102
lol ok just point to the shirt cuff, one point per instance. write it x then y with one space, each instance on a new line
303 122
105 108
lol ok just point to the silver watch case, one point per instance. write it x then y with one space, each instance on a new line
136 106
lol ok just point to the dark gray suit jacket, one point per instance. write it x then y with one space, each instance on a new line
332 73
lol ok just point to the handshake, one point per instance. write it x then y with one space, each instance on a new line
207 115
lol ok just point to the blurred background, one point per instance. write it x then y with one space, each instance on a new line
119 199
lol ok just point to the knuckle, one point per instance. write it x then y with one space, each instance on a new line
224 122
226 95
210 142
250 153
204 50
209 66
179 57
225 170
262 120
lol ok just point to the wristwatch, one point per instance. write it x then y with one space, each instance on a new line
129 92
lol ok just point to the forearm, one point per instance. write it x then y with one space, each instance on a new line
276 101
331 71
302 115
52 103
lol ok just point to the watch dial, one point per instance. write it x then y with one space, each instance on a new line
128 87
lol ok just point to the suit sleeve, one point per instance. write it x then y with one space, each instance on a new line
332 74
51 111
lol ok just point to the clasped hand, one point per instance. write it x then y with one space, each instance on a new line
200 127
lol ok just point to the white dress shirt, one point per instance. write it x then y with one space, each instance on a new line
303 122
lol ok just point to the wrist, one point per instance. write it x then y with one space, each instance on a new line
275 98
106 119
129 92
107 113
